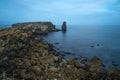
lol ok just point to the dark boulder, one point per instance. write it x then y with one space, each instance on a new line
95 65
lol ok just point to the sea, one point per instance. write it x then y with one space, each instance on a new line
85 41
4 26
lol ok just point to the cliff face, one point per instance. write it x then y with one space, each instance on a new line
36 27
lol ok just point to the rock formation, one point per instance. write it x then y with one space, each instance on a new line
64 27
36 27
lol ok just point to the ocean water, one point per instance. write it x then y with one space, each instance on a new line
89 41
5 26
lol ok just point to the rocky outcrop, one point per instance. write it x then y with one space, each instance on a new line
115 73
22 56
37 27
94 65
25 57
64 27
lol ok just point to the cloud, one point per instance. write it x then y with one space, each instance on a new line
68 7
71 10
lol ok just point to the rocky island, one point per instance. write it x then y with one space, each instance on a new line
37 27
25 57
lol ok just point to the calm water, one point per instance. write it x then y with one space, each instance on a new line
89 41
5 26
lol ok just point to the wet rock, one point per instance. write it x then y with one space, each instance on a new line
92 46
74 63
114 63
57 43
67 53
83 60
114 73
95 65
73 70
98 44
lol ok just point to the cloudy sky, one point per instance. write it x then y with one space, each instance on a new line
82 12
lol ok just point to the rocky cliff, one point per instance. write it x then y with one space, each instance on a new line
36 27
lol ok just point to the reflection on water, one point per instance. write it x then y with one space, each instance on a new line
64 33
89 41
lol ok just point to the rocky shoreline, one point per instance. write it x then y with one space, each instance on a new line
25 57
37 27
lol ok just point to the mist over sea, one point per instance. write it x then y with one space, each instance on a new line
88 41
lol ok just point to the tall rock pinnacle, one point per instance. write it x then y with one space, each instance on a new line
64 27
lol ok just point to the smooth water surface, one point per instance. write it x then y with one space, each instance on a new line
4 26
89 41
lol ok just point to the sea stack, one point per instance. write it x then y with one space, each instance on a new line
64 27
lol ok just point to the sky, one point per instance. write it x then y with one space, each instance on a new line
74 12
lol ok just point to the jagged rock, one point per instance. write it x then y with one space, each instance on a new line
94 65
72 70
64 27
114 73
74 63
